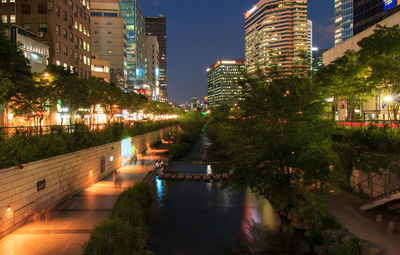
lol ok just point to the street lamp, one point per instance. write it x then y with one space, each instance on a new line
388 99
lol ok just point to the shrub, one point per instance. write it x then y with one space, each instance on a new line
24 148
129 220
113 237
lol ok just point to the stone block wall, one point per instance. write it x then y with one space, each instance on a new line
41 185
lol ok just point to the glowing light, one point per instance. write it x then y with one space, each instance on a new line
91 172
111 158
249 12
10 116
388 99
329 100
228 62
8 209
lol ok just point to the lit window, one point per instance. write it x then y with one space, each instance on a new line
12 18
88 47
109 51
12 1
58 62
4 18
80 27
4 1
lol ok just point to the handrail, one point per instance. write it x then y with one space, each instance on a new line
382 185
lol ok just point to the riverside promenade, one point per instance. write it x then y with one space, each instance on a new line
65 230
340 205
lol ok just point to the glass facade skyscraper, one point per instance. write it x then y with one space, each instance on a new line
157 26
223 82
135 32
343 20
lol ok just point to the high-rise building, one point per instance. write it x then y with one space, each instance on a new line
223 82
276 35
135 31
65 25
309 40
153 65
109 39
369 12
156 26
343 20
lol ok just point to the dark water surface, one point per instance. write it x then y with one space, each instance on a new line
205 218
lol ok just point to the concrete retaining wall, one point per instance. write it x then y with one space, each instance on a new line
39 186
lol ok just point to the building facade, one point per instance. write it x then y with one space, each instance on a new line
343 20
276 35
156 26
109 41
369 12
135 32
64 24
223 82
374 108
101 69
33 46
309 40
153 66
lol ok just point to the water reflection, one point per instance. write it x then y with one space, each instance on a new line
203 218
160 189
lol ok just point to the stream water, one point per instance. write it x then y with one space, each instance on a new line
206 218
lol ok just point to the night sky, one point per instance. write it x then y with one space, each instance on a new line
200 32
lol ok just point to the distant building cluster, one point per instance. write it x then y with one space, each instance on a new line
109 39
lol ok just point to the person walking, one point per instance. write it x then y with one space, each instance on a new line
115 177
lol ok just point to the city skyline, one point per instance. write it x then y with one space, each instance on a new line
200 39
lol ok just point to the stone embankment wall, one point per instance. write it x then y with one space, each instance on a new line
32 190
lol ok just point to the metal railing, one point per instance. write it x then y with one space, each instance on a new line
43 130
375 187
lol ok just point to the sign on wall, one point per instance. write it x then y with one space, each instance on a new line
389 4
40 185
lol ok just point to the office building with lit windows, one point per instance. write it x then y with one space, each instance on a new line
157 26
223 82
153 66
135 32
276 35
343 20
63 24
109 41
369 12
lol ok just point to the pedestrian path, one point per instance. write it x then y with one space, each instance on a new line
340 206
69 226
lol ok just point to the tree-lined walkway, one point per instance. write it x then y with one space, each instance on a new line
69 226
340 206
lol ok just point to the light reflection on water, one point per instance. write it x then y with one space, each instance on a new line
203 218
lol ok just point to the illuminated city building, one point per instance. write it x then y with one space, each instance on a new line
64 25
309 40
156 26
276 35
101 69
343 20
135 32
369 12
153 66
223 82
109 40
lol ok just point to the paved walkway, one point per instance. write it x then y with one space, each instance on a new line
340 205
69 226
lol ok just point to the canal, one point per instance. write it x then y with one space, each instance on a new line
206 218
